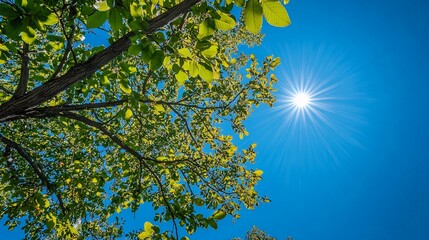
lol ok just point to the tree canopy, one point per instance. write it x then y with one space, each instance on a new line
88 131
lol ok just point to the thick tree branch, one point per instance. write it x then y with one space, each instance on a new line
24 154
83 70
25 72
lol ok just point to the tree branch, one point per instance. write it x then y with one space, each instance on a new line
5 90
186 124
25 72
69 48
83 70
141 158
24 154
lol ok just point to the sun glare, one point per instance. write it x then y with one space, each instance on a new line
301 100
320 104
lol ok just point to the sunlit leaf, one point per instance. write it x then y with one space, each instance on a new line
253 16
275 13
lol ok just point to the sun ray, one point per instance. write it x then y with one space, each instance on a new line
320 109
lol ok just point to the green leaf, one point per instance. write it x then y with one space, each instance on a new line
3 47
136 10
115 19
205 72
22 3
159 108
199 202
161 158
210 52
219 215
101 6
97 19
125 88
51 19
134 49
73 230
147 53
156 60
29 35
253 16
105 81
128 114
275 13
185 52
181 77
193 69
239 3
212 224
205 29
224 22
7 11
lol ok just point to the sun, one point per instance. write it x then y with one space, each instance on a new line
301 99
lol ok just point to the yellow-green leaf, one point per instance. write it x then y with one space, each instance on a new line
105 81
159 108
136 10
205 29
144 236
253 16
205 73
51 19
29 35
193 69
128 114
185 52
181 77
225 22
125 88
239 3
219 215
161 158
148 228
259 173
101 6
211 51
275 13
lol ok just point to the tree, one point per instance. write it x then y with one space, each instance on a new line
257 234
88 131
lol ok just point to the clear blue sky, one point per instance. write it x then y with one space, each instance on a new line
378 186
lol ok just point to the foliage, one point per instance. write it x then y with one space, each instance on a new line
257 234
89 131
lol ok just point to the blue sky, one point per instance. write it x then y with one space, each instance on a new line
373 184
376 187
